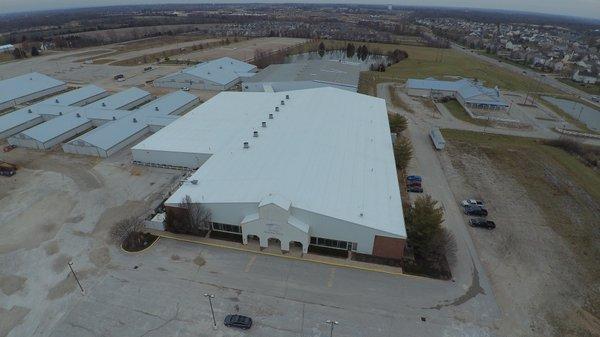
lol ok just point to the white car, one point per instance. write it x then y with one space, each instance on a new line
185 89
473 202
596 99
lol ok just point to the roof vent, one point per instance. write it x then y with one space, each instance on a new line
60 113
220 67
195 182
56 100
78 115
287 96
282 102
103 104
29 110
135 120
270 116
255 134
246 145
155 108
276 108
264 124
114 118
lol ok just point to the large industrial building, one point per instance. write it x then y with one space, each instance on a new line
306 167
220 74
469 93
306 75
28 87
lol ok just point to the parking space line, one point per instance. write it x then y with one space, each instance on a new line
331 277
249 264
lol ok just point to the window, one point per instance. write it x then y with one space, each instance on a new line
337 244
226 228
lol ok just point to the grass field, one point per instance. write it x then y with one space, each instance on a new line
537 191
553 179
426 62
460 113
593 89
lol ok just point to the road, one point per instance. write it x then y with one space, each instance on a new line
542 78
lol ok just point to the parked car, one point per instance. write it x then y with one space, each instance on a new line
185 89
472 202
481 222
414 178
596 99
238 321
118 76
413 183
475 210
414 189
147 68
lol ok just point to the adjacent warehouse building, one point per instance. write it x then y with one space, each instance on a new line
469 93
219 74
115 135
70 124
25 88
25 118
305 75
306 167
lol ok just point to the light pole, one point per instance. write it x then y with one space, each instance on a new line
331 324
210 297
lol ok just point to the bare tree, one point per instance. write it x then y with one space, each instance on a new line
191 218
128 232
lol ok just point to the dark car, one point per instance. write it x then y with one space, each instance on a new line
413 183
481 222
475 210
414 178
238 321
414 189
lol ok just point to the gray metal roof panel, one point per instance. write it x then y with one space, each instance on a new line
27 84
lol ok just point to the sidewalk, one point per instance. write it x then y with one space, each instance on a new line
294 255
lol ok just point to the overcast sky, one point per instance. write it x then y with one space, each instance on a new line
583 8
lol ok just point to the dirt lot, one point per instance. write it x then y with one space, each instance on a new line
60 208
243 50
542 257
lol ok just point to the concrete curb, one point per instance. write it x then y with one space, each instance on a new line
143 250
341 265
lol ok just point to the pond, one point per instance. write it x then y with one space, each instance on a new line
587 115
337 55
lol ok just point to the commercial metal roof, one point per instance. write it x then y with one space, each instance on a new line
322 72
327 151
120 99
470 91
49 107
112 133
221 71
17 87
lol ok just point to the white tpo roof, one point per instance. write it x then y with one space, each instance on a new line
221 71
327 150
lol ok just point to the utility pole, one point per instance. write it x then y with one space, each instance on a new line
76 278
331 324
210 297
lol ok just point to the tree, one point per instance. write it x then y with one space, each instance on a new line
402 152
321 49
428 239
128 232
350 50
398 123
190 218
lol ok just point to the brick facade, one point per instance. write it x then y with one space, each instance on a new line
387 247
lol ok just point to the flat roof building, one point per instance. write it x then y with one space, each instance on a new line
469 93
219 74
25 88
306 75
307 167
25 118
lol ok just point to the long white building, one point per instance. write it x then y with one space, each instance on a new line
219 74
306 167
24 88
